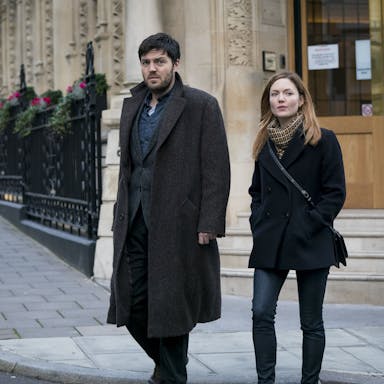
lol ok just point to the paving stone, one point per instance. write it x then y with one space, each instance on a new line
231 342
60 285
371 335
45 348
8 333
24 298
48 332
228 362
102 330
100 345
43 306
53 323
26 323
12 307
338 359
92 304
374 355
93 312
12 285
35 291
32 315
86 298
6 293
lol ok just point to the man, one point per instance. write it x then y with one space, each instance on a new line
171 203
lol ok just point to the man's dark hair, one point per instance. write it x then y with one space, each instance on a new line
163 42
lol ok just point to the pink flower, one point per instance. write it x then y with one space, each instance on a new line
82 85
1 104
69 89
41 102
35 101
14 95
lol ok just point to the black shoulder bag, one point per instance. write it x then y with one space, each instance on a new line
340 249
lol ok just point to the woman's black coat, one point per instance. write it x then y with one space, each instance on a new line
287 232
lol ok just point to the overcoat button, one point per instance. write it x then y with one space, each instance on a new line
287 214
268 214
121 217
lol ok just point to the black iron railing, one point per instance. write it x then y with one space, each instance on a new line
56 177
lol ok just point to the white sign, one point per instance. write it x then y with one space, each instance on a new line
323 56
363 59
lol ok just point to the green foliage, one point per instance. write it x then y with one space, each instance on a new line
60 116
55 96
101 83
59 120
30 94
24 121
4 116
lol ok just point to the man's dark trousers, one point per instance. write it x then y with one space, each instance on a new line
169 353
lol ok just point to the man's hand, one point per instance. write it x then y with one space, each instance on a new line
204 238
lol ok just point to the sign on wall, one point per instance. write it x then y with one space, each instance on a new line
363 59
323 56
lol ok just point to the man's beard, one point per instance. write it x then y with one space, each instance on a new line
163 86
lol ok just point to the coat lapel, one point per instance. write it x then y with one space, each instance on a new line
170 116
131 106
267 162
294 149
172 112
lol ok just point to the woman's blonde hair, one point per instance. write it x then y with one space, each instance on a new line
311 125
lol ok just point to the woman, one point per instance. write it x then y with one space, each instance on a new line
287 232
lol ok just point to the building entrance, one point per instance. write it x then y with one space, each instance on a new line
339 52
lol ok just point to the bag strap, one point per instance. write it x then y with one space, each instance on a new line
303 192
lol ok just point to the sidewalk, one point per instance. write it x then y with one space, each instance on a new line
52 326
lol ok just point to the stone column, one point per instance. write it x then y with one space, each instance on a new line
38 70
250 28
141 20
66 59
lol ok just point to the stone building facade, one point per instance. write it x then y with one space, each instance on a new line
221 42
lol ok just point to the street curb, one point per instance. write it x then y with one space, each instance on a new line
62 373
65 374
334 377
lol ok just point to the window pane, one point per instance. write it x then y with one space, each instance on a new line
342 22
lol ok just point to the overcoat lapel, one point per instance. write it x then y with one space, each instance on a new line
170 117
292 152
267 162
130 108
135 145
294 149
172 112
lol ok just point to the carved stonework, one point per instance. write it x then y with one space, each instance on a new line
102 24
117 43
239 31
83 31
13 73
2 9
272 13
48 18
28 63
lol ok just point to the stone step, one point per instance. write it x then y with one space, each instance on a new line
342 286
348 219
361 219
356 241
367 262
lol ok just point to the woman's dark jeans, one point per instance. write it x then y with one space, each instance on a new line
266 289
